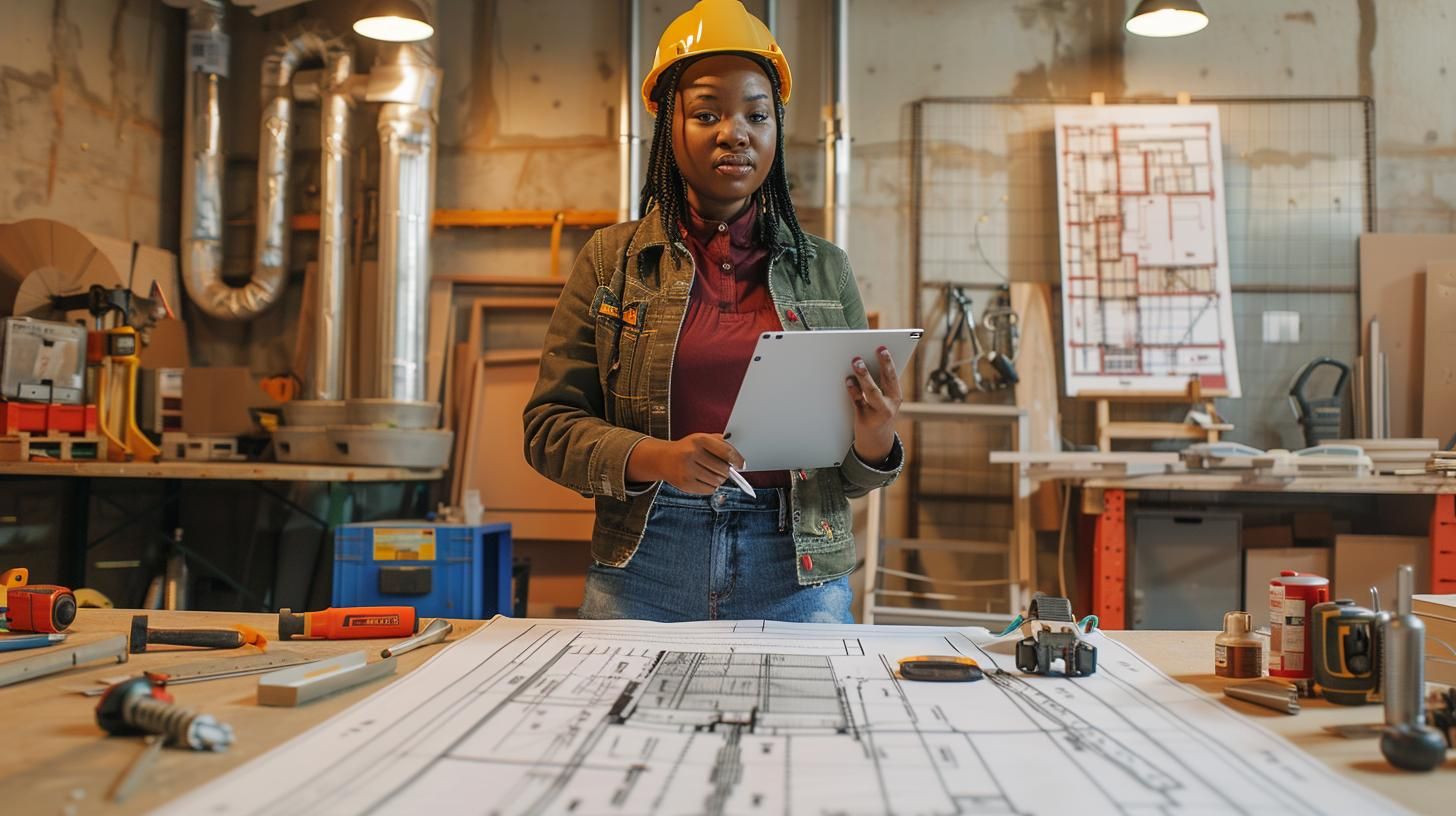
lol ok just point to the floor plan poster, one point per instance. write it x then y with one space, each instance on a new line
548 717
1145 277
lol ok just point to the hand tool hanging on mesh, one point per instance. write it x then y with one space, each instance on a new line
989 369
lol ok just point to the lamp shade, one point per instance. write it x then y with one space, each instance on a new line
393 21
1167 18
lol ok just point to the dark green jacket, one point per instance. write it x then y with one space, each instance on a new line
606 374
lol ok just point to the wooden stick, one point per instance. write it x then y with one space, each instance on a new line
58 660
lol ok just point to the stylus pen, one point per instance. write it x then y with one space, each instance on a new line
741 482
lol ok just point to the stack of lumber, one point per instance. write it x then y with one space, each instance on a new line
1394 455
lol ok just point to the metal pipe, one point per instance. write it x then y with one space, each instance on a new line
325 379
629 115
407 84
275 152
202 168
771 16
836 128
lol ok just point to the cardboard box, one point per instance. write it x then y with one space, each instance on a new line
1268 537
1263 565
1438 613
1365 560
216 401
1314 525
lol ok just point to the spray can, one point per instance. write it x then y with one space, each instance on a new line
1291 597
1407 742
1345 649
1236 652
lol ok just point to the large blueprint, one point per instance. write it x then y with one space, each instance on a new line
586 717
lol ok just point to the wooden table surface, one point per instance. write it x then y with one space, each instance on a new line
229 471
58 761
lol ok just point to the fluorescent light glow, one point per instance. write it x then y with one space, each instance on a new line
1167 23
394 29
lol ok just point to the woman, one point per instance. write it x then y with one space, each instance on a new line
651 340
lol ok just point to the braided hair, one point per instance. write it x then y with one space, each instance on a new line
666 188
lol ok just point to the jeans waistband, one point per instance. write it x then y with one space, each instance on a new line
728 497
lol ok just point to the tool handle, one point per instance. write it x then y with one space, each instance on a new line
1297 389
207 638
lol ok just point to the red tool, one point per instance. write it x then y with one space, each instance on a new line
348 623
1292 597
40 608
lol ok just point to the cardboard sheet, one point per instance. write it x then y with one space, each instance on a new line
1392 287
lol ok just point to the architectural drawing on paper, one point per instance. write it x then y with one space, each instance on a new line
1145 279
538 717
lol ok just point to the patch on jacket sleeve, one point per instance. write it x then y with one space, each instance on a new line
606 304
634 313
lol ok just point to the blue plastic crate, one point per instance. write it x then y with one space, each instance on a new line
442 570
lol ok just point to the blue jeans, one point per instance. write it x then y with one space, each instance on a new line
723 556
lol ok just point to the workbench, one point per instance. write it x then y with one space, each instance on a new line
58 757
1106 498
77 539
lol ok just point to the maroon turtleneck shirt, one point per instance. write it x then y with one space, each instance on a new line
728 309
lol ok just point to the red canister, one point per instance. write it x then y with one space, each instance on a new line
1291 597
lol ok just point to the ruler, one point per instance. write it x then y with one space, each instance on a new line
199 671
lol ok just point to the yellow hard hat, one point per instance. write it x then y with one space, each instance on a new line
714 26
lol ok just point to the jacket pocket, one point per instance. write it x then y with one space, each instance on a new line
627 379
821 512
823 314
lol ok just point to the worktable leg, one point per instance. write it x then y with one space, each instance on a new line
338 514
77 535
1109 562
1443 545
1021 565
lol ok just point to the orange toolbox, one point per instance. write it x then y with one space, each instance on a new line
46 418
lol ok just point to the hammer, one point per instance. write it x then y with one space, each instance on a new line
141 636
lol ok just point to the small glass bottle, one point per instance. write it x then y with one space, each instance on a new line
1236 651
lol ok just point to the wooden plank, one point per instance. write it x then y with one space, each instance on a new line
1438 408
222 471
1218 482
1391 288
65 751
1037 392
959 411
441 329
510 281
1083 458
313 681
541 525
524 218
495 464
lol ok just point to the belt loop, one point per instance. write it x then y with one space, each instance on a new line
783 509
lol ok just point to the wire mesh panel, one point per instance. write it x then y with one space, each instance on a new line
1299 190
1298 181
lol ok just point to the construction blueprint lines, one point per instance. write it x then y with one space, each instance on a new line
545 717
1145 279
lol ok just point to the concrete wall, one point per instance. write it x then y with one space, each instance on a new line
84 109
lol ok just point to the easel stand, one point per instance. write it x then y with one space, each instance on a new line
1196 396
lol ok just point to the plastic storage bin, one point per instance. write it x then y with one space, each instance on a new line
442 570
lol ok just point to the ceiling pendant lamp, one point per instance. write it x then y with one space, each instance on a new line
1167 18
394 21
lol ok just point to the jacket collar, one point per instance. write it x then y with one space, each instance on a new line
651 234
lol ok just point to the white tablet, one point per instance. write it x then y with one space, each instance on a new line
793 410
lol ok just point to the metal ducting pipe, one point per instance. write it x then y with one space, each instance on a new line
325 379
275 156
203 174
629 116
407 85
202 169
